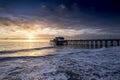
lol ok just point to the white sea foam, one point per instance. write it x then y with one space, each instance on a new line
97 64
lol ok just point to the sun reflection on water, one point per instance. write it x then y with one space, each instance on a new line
27 49
29 53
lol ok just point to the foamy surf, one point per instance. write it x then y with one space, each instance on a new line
97 64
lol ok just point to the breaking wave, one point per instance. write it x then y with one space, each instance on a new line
23 50
97 64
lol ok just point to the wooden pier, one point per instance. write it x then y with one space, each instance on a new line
90 43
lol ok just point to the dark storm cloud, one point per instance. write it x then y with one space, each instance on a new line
2 7
68 14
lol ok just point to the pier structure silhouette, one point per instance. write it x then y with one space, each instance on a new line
88 43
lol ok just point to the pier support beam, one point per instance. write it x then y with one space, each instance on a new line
111 43
101 43
87 44
106 43
92 44
96 44
118 43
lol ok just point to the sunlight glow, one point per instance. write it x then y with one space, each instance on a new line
31 38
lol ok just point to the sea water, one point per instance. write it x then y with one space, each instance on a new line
23 49
41 61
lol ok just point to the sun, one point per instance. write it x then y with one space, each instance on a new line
30 38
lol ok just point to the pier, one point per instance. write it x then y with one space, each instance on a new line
89 43
95 43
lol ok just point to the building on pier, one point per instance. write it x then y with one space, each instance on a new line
58 41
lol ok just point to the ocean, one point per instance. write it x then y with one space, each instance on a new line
26 49
22 49
42 61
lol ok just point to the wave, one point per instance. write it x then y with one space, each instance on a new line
24 50
98 64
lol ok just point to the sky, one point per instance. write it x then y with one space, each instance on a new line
45 19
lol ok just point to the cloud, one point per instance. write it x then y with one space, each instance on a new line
3 7
54 17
